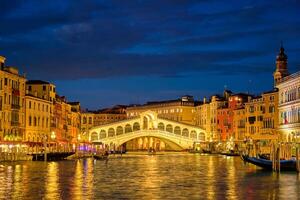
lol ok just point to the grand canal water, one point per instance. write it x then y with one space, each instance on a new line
169 176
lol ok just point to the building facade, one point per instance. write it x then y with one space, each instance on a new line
262 117
289 107
12 104
225 117
37 129
181 110
206 116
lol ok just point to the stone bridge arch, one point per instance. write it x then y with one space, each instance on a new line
148 125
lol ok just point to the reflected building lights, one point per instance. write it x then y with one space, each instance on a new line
211 188
52 182
231 180
17 183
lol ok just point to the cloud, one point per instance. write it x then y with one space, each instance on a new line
95 39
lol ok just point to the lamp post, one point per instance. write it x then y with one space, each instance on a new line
45 147
53 136
78 143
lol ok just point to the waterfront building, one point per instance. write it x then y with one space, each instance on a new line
289 99
12 104
180 110
37 129
239 124
225 116
86 123
64 117
202 115
206 115
62 124
75 122
289 107
41 89
262 117
109 115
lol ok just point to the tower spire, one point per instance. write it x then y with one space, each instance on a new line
281 65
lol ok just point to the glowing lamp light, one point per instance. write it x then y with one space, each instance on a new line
53 136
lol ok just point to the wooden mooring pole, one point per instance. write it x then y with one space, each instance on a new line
297 160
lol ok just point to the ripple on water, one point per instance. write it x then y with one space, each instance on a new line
170 176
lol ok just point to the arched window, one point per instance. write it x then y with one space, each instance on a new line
84 120
119 130
111 132
30 121
193 134
202 136
128 128
185 132
169 128
136 126
161 126
94 136
177 130
145 123
102 134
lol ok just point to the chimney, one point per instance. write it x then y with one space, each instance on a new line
204 100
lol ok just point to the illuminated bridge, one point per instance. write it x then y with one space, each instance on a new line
148 131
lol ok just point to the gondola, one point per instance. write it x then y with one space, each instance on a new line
230 153
285 165
206 151
51 156
100 157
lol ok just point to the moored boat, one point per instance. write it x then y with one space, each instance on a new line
285 165
101 157
230 153
51 156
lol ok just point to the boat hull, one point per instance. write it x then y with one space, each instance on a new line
100 157
51 156
285 165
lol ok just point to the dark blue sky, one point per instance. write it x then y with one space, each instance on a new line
103 53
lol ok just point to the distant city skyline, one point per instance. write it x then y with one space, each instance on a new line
127 52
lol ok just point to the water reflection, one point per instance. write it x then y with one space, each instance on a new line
211 189
52 181
170 176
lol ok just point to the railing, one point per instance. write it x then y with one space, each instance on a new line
15 123
155 131
15 106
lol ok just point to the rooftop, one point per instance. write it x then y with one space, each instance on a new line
36 82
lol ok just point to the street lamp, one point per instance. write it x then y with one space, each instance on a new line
53 136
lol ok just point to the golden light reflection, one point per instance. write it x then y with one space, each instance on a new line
211 188
52 182
2 179
88 178
230 179
78 183
17 186
151 170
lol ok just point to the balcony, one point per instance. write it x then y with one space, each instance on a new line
15 106
290 125
15 123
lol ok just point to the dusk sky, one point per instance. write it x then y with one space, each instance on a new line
103 53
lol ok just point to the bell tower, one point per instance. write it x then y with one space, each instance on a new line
281 66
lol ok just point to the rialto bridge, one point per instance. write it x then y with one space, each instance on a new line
147 130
